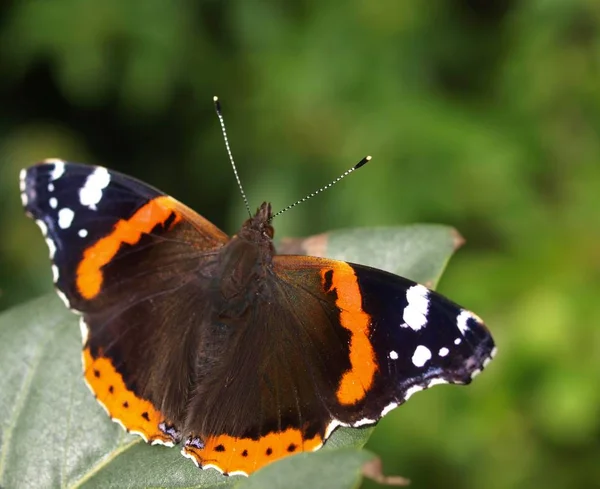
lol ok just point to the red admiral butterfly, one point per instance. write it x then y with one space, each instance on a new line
245 355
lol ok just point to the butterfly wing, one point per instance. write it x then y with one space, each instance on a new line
336 344
124 253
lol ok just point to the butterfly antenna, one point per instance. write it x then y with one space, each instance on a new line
362 162
237 177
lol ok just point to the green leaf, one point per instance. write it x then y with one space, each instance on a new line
54 434
419 252
339 468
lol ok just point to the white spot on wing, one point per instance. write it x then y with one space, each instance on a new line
51 247
59 169
22 185
332 426
54 273
158 441
487 361
415 313
22 177
50 187
91 192
120 423
42 226
421 356
133 432
84 330
388 408
63 298
393 355
190 456
363 422
317 447
82 233
443 351
462 321
457 341
53 202
438 381
410 391
213 466
65 218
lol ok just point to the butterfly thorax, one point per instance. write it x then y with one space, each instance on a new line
245 261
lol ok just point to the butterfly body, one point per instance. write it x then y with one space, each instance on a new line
241 354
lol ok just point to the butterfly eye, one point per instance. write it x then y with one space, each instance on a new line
268 232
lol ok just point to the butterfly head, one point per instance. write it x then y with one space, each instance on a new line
258 228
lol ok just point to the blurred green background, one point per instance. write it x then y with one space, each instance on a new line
484 115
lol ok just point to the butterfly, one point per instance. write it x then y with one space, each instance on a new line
218 343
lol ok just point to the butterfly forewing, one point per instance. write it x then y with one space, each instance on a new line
402 337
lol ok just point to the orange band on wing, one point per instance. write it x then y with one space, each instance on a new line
358 379
135 414
89 272
231 455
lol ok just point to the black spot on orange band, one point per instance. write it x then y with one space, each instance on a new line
328 280
135 414
232 455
